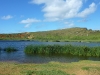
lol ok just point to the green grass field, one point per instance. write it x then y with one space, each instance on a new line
51 68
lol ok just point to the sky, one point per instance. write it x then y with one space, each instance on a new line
17 16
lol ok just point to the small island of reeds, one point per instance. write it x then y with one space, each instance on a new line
63 49
10 49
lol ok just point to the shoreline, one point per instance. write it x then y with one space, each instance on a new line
86 41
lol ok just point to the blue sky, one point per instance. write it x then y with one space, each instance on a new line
18 16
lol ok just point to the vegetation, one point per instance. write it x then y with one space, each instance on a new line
65 49
10 49
0 48
71 34
51 68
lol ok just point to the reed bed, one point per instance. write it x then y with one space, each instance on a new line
10 49
65 49
0 49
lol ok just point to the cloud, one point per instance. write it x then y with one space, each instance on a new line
87 11
85 0
55 10
99 2
21 16
7 17
69 24
29 21
83 20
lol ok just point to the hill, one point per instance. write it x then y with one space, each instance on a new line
70 34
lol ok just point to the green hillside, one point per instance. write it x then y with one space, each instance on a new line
70 34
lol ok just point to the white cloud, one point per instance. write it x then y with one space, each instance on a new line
7 17
87 11
83 20
29 21
55 10
69 24
85 0
21 16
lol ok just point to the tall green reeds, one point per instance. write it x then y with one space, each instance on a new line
0 48
10 49
66 49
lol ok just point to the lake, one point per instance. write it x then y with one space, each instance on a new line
21 57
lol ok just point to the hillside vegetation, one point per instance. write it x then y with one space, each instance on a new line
70 34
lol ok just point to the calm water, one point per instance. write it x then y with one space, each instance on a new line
21 57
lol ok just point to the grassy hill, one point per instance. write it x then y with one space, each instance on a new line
70 34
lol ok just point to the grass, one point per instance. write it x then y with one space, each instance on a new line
51 68
65 49
10 49
52 72
45 72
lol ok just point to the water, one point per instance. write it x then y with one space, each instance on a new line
21 57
